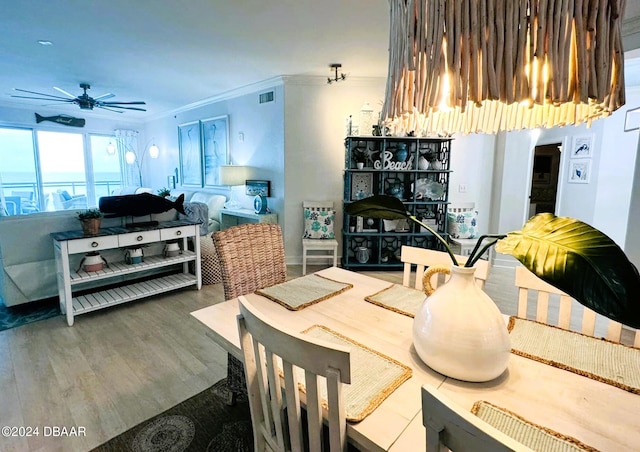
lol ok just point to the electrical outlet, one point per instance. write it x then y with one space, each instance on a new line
462 188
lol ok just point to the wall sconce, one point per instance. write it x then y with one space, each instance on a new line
232 175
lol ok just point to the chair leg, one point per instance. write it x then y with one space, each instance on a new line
304 261
236 381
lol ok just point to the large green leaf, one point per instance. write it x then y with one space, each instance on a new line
581 261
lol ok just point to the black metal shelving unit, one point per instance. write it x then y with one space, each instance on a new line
416 170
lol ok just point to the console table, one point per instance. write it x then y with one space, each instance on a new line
234 217
70 246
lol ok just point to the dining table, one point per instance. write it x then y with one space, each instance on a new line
600 415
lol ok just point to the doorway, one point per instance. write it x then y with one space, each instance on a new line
544 179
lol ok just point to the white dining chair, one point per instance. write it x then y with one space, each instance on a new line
264 344
450 427
317 245
530 286
423 258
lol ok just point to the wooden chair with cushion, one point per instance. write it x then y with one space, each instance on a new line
450 427
318 240
251 257
529 284
263 342
423 258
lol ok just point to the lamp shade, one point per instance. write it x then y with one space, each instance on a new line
470 66
154 152
233 174
130 157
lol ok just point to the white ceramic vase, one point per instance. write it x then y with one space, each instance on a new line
460 332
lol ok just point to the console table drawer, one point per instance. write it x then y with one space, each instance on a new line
138 238
176 233
92 244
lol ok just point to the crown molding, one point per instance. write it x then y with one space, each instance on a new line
231 94
631 34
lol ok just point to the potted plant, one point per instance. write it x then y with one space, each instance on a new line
565 252
90 219
164 192
360 158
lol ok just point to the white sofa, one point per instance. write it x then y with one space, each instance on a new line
28 271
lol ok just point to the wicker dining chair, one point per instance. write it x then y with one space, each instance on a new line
251 258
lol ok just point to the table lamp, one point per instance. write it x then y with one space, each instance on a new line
232 175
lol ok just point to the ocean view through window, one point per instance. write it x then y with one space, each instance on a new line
43 170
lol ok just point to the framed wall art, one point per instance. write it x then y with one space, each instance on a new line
582 147
258 187
632 119
215 148
579 171
190 155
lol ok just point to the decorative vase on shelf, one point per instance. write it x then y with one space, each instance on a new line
366 120
362 254
459 331
402 153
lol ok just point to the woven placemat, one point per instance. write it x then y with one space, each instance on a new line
374 376
400 299
534 436
599 359
301 292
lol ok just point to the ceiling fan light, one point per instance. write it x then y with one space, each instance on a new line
130 157
154 152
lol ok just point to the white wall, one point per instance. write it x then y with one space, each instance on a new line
472 165
603 202
315 115
256 139
632 243
617 176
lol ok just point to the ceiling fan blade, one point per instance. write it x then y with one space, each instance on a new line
109 107
56 99
124 103
39 94
64 92
104 96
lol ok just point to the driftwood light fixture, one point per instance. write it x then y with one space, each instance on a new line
491 65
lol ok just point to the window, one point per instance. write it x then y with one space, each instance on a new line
18 175
56 171
62 166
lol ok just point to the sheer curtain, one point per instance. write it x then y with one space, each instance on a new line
127 141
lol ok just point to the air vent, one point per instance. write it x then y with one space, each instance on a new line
266 97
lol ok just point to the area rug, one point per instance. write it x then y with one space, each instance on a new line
202 423
11 317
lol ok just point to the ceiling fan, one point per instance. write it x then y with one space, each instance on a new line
84 101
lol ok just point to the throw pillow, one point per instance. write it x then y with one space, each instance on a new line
318 223
463 225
